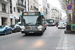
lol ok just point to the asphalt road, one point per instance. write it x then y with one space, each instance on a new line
17 41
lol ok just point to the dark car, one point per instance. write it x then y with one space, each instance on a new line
15 28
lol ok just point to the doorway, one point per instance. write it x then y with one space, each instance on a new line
4 21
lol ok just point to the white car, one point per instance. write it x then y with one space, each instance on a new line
61 25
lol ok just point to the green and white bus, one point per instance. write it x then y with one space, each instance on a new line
33 22
51 22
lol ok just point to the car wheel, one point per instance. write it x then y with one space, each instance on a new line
5 33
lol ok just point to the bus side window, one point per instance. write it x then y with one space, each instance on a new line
43 21
38 20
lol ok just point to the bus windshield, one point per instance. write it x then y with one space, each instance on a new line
32 20
50 21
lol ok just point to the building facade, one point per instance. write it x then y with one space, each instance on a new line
4 12
54 13
16 8
33 5
10 11
40 6
48 11
43 7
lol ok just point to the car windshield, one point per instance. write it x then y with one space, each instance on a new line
61 22
32 20
2 26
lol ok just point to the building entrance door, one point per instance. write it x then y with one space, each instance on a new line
4 21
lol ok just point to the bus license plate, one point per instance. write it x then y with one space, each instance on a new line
31 32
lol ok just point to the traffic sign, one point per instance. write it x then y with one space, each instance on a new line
69 11
70 7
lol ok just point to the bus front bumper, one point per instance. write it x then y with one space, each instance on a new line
31 31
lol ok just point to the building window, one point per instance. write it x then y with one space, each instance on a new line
10 9
22 1
22 10
11 21
18 10
31 6
3 7
14 9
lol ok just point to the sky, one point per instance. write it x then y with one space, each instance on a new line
57 4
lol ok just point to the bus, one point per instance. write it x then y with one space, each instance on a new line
51 22
33 22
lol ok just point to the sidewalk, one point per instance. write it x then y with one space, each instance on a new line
69 42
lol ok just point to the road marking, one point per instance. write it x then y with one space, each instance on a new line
64 46
65 43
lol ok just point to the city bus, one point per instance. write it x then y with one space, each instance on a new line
34 22
51 22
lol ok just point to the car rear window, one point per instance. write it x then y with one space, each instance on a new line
61 23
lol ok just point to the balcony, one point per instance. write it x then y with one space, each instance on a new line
4 1
3 13
4 10
21 6
35 8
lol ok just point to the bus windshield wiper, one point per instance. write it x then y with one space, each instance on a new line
29 24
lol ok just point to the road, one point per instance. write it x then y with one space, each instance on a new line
51 39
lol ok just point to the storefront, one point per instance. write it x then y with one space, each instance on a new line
4 21
16 19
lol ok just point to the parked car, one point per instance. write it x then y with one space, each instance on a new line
21 26
15 28
4 29
61 25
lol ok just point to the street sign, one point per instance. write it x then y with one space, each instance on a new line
69 11
69 7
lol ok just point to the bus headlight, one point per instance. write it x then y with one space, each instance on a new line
22 27
40 29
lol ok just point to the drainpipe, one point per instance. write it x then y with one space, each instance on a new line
25 5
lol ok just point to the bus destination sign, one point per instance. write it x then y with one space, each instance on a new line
31 13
